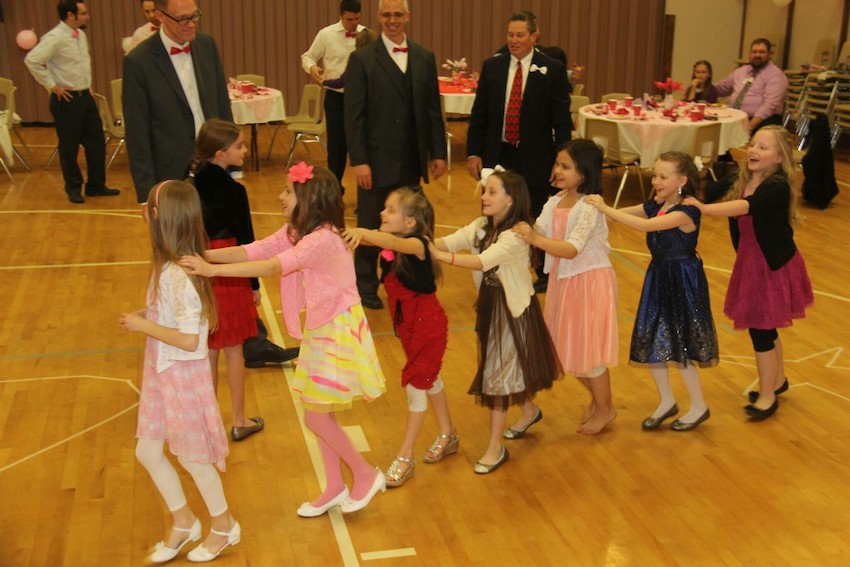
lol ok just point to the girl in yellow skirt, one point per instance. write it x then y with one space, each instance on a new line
337 363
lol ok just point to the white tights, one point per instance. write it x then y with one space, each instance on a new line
150 454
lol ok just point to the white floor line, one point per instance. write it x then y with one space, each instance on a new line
343 537
388 554
79 433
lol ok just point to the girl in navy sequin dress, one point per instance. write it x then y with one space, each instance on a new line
419 321
673 324
769 286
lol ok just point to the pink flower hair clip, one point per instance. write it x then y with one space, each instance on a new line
300 172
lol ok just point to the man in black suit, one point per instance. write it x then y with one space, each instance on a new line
173 82
394 127
536 95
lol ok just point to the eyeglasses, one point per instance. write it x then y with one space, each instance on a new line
396 15
184 21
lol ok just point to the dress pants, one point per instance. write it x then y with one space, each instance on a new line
335 124
78 122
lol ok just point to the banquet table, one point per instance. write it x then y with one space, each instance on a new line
657 134
456 99
265 105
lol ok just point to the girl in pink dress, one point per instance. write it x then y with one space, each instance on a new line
769 286
178 401
337 363
410 277
581 300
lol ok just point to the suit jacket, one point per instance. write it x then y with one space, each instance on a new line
160 129
375 102
544 121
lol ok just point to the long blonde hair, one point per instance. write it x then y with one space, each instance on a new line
785 169
177 229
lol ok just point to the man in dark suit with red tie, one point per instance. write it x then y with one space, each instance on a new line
394 127
521 112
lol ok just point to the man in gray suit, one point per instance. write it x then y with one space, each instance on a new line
393 125
173 82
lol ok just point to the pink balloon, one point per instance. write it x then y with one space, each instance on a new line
26 39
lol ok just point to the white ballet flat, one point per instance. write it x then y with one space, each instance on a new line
307 510
201 554
350 505
162 553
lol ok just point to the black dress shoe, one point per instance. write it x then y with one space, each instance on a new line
481 468
105 192
757 414
76 199
242 433
512 433
654 422
754 395
371 302
269 353
541 284
680 425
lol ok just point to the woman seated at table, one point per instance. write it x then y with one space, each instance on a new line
701 88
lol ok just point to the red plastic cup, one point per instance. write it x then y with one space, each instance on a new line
637 109
612 104
701 107
628 101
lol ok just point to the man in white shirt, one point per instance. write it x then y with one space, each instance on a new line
148 28
61 63
332 47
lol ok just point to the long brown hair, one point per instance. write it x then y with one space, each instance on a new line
319 202
785 169
177 229
215 134
415 204
520 211
684 165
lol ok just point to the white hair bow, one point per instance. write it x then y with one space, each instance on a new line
698 163
487 172
543 70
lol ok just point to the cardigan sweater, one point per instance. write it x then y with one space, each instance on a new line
587 230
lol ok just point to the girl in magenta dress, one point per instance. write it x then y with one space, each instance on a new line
227 220
337 363
769 286
178 402
409 276
581 299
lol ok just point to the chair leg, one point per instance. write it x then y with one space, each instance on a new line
9 173
622 184
23 142
295 139
53 155
449 150
115 153
21 159
713 175
271 144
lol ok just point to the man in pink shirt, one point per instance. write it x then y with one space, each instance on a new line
758 88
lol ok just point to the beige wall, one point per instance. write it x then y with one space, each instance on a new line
812 25
705 30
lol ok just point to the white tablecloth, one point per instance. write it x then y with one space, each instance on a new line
652 137
457 103
258 108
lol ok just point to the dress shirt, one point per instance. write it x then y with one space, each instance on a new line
186 73
332 47
61 59
141 34
400 57
526 65
765 97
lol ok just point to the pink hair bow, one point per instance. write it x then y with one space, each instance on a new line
300 172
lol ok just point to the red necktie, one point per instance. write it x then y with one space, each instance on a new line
76 33
179 50
400 49
351 34
514 106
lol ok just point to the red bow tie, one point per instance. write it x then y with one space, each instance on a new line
154 28
400 49
76 33
179 50
351 34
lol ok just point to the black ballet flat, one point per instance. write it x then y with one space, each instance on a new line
757 414
754 395
655 422
512 433
680 425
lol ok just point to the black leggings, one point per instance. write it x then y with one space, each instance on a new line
763 339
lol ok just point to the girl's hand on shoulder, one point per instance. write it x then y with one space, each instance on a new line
353 236
132 321
597 201
693 202
437 253
196 266
525 232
